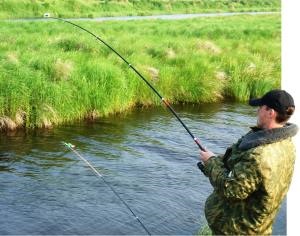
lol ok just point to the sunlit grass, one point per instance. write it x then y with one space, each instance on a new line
51 73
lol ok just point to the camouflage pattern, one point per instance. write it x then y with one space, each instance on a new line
250 182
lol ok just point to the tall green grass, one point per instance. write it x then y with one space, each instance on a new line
52 73
95 8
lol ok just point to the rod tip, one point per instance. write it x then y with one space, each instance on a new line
69 145
46 15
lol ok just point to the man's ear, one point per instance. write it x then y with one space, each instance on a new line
272 113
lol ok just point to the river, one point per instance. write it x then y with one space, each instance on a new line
150 17
145 155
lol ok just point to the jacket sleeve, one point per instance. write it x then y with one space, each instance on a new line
222 159
237 183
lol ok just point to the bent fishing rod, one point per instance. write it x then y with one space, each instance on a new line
72 148
196 140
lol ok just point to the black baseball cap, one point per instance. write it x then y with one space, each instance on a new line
277 99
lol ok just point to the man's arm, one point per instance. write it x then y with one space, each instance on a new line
237 183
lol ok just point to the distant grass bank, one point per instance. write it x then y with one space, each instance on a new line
52 73
96 8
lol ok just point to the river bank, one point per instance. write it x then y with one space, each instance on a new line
90 8
63 75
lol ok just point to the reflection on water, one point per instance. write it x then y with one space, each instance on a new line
145 155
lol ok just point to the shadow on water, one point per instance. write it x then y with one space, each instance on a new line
144 154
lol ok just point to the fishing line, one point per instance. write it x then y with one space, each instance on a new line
71 147
196 140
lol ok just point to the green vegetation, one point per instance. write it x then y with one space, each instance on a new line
96 8
205 230
52 73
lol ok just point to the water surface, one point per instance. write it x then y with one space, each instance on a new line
145 155
154 17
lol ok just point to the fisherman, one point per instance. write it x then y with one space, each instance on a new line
253 176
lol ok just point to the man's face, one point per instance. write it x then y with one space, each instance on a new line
263 116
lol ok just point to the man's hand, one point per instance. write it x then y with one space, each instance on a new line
205 155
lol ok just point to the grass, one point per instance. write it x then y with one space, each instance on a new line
96 8
51 73
205 230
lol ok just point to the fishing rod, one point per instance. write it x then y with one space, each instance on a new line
71 147
196 140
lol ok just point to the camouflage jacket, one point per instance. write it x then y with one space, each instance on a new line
250 181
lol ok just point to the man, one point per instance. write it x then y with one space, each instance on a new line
252 178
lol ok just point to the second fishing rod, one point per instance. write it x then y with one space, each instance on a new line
164 101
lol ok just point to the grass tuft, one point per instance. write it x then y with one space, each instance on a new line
62 69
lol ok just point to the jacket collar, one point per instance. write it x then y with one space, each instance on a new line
258 137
